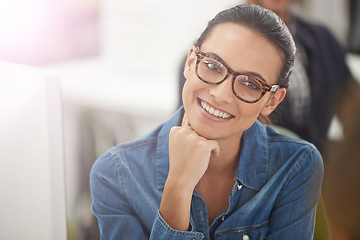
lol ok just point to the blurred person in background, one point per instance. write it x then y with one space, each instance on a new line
342 173
319 77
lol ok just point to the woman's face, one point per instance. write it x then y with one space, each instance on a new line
244 51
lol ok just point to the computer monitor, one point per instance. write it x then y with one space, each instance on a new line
32 171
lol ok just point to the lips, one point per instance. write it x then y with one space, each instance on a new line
215 112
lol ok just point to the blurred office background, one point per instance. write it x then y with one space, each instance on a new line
118 62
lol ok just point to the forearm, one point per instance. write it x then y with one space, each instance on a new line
175 204
189 156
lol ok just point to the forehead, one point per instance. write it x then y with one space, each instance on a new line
244 50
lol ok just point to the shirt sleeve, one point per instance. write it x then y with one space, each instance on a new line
114 213
299 197
161 230
109 204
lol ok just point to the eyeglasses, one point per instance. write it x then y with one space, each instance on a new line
246 87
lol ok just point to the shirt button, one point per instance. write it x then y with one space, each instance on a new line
223 218
245 237
239 186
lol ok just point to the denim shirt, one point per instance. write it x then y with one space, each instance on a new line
275 192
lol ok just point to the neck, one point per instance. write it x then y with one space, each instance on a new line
226 163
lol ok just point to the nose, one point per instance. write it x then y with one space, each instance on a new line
223 92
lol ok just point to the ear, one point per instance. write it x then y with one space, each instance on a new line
274 101
190 60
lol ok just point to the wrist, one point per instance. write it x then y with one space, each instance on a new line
182 184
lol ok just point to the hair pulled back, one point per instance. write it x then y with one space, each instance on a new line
265 23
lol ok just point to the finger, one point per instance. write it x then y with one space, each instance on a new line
216 149
187 123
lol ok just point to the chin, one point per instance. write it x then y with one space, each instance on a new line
206 132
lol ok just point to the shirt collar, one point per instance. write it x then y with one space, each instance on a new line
253 160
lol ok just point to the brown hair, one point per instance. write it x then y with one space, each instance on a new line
267 24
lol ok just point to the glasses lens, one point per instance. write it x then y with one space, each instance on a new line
247 88
211 70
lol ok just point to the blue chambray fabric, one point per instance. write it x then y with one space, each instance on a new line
275 193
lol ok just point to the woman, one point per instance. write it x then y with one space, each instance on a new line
213 171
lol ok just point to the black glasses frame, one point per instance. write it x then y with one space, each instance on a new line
265 87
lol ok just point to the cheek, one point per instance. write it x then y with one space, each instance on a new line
186 93
191 87
247 117
250 111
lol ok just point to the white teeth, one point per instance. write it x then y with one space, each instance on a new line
213 111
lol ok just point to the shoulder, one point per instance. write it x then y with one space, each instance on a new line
303 25
286 149
269 155
285 141
116 159
310 32
274 139
133 147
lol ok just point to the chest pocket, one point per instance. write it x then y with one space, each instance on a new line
257 232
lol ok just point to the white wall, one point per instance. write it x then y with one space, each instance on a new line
145 41
331 13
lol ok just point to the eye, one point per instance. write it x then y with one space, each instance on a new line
213 66
250 83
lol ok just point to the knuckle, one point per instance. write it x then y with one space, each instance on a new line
203 145
174 130
193 138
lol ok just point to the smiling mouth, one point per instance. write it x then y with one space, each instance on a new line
215 112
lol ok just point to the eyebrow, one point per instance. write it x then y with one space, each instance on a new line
257 75
254 74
